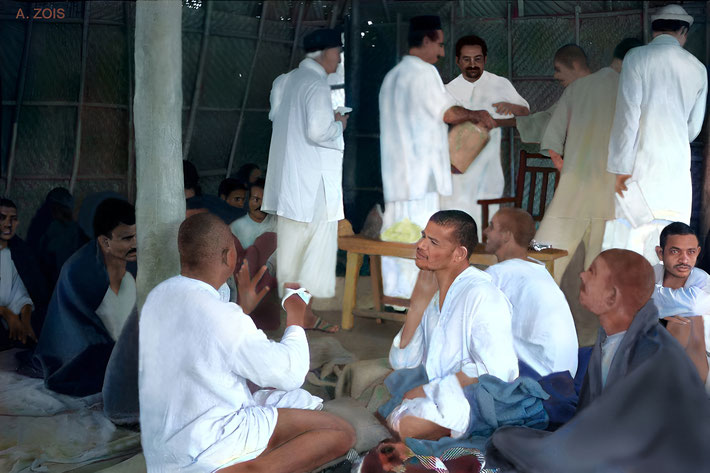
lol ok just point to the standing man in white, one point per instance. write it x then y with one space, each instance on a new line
660 109
478 89
415 111
304 176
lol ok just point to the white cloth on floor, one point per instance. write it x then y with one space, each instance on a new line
247 230
115 308
306 149
196 354
13 293
660 109
544 334
484 177
619 233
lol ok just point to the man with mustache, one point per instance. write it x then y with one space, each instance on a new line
95 294
477 89
682 294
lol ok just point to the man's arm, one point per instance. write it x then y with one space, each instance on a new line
689 301
625 128
321 126
457 114
697 114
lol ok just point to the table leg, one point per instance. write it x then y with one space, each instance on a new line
352 274
550 265
376 280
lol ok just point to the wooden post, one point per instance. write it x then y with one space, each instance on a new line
18 104
198 82
130 171
235 142
80 105
296 34
160 199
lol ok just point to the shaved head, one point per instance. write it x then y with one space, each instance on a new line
519 223
203 240
632 274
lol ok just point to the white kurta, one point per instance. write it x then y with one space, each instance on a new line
579 130
471 333
660 109
543 328
531 127
13 293
414 150
247 230
196 353
115 309
484 177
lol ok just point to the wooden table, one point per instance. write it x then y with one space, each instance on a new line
357 247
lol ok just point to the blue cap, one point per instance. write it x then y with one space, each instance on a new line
322 39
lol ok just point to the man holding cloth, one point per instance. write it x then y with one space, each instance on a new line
660 109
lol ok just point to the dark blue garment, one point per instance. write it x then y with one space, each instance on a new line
28 269
216 206
74 347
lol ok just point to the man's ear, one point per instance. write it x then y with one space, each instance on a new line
659 253
612 296
460 253
225 256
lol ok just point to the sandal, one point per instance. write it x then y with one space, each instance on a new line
323 326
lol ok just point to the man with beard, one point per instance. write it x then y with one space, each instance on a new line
642 406
478 89
95 294
683 294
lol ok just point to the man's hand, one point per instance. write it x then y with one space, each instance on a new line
246 288
507 108
556 159
415 392
620 185
295 307
424 289
342 119
680 328
19 330
482 118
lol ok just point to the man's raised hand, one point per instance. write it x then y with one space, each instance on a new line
482 118
248 298
295 307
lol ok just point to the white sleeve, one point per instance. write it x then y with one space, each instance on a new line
435 99
276 95
691 301
280 365
532 127
412 355
555 133
19 295
511 95
321 126
697 114
627 117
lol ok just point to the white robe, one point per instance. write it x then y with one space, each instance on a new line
247 230
544 334
13 293
484 177
196 354
579 130
115 309
471 333
660 109
414 150
532 127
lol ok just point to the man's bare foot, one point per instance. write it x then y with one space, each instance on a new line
313 322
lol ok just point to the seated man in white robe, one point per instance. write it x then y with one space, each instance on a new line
255 223
682 294
198 410
544 335
458 328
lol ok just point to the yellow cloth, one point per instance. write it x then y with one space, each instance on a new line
404 231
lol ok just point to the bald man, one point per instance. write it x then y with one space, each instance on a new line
642 406
543 328
199 355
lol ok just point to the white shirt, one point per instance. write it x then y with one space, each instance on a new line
579 129
306 146
13 293
196 353
472 333
544 334
609 347
115 308
413 136
247 230
660 109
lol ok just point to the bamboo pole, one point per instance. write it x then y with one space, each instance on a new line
82 83
130 187
296 34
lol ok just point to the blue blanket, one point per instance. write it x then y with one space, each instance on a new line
29 271
74 347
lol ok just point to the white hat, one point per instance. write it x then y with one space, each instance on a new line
672 12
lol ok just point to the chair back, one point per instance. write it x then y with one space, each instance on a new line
536 183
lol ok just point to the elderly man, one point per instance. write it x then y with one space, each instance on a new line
198 411
415 111
477 89
570 64
543 328
660 109
642 406
683 294
458 328
304 175
579 130
95 294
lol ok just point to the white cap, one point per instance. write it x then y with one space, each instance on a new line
672 12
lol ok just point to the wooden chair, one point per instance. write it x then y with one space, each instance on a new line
543 171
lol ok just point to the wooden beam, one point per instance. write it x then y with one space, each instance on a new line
82 83
18 104
302 7
130 172
198 82
235 141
